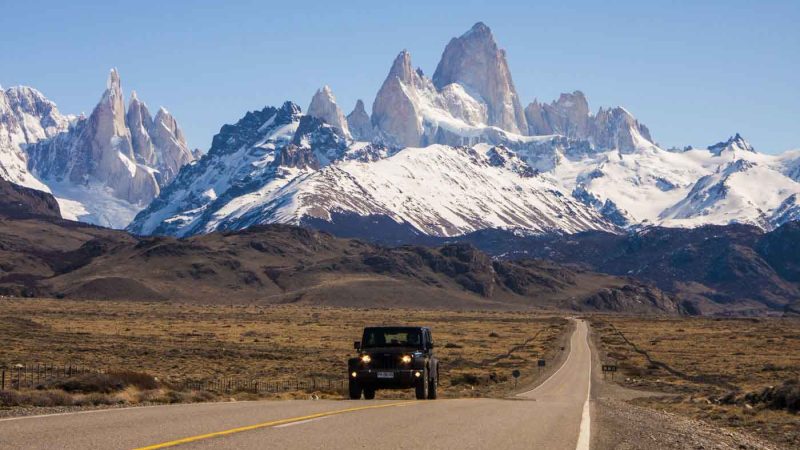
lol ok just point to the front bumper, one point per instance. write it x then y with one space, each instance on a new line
387 378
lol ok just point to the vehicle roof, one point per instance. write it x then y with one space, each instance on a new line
397 327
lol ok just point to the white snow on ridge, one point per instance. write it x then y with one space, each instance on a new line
93 203
687 189
440 190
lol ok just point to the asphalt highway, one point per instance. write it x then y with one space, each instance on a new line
554 415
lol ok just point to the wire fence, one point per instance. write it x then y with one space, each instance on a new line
39 376
20 376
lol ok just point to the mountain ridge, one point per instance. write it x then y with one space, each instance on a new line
102 168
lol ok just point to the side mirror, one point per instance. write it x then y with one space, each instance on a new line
357 345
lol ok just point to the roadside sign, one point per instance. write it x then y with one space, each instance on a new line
609 368
515 373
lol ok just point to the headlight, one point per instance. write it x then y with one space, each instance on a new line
365 359
406 359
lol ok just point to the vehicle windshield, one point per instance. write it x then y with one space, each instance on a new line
392 337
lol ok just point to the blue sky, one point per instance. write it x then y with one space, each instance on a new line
695 72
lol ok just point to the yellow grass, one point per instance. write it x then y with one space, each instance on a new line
714 358
181 341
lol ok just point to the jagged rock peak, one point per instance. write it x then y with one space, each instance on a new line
290 109
617 128
734 143
568 116
394 113
139 121
481 29
114 85
474 61
26 117
359 123
125 151
108 119
323 106
401 67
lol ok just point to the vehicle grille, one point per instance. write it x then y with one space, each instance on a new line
385 361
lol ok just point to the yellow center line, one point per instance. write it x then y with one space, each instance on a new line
267 425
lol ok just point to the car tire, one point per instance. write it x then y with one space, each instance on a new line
432 384
422 386
369 393
355 390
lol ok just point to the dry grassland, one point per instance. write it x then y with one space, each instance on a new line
738 373
179 341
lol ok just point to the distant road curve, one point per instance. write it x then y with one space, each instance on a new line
554 415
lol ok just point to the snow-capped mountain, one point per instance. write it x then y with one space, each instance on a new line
103 168
457 153
278 165
26 117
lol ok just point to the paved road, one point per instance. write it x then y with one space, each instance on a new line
555 415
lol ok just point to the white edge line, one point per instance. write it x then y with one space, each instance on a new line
569 355
584 438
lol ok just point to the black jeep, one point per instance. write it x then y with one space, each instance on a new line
394 358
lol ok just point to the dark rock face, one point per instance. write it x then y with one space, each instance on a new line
19 202
732 269
275 263
735 143
630 299
781 250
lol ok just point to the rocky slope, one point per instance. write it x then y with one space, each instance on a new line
277 264
732 269
18 201
26 117
102 168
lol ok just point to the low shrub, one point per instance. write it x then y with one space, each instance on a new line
97 398
465 378
35 398
106 383
140 380
785 396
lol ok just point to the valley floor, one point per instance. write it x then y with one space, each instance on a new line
179 342
682 382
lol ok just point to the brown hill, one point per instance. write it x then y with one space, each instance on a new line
18 202
281 264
